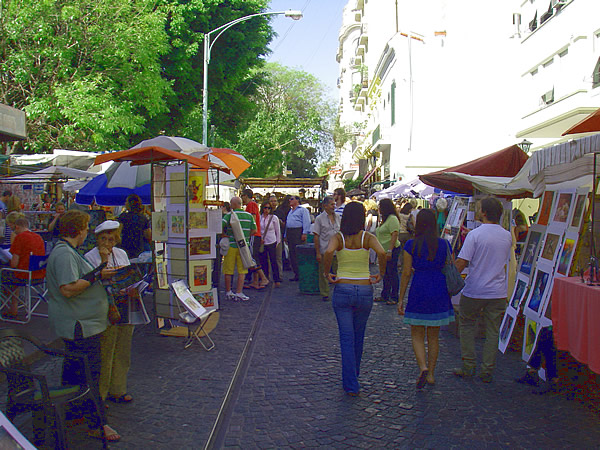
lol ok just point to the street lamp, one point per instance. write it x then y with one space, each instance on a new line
525 145
296 15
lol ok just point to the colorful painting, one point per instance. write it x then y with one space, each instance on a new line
198 219
210 299
578 214
566 255
546 208
200 275
176 225
159 226
519 293
201 245
529 337
196 186
506 329
538 290
551 245
530 251
563 205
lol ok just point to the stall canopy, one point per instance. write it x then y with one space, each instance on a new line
414 188
504 163
283 182
65 158
589 124
52 173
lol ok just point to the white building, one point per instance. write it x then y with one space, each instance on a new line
428 84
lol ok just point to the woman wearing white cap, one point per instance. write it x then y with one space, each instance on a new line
116 340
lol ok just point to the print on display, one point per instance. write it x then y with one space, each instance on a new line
563 205
519 294
160 231
210 299
538 291
506 329
551 245
200 275
176 225
197 185
530 249
579 210
566 254
529 337
545 208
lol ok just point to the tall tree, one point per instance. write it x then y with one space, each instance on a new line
292 125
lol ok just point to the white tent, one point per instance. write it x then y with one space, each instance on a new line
65 158
413 188
48 174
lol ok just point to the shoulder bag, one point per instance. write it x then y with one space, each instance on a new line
454 281
262 244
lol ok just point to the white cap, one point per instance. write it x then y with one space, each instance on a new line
107 225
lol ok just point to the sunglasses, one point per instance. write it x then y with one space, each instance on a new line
267 207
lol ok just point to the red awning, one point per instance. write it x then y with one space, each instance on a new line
588 125
503 163
368 175
146 155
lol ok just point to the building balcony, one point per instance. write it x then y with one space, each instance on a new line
361 50
379 142
364 36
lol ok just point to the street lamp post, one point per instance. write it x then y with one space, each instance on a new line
208 44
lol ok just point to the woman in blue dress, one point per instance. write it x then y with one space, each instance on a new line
429 304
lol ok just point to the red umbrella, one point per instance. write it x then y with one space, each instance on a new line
588 125
503 163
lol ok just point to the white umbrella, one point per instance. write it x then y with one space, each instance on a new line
178 144
124 175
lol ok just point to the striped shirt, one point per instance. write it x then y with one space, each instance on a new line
339 210
246 221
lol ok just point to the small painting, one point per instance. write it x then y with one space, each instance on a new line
198 220
545 208
579 208
176 225
566 254
530 251
200 275
159 226
538 291
161 272
506 329
196 186
159 185
563 205
201 246
209 299
519 293
188 299
529 337
551 245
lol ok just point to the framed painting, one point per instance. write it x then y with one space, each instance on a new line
546 208
506 329
578 210
538 292
551 246
209 299
202 247
160 231
563 207
198 220
566 254
200 275
197 189
176 225
531 249
519 294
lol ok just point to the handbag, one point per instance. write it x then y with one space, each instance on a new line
454 282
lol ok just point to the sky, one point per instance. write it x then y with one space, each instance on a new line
311 43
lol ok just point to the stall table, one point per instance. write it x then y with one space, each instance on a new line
575 313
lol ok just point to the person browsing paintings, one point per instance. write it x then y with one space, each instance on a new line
297 227
387 235
136 227
78 310
115 345
429 305
352 298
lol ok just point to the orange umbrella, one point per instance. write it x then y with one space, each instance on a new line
588 125
229 158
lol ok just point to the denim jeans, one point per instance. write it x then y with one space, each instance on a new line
391 280
545 348
352 305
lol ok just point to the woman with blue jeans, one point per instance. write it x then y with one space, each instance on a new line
353 292
387 235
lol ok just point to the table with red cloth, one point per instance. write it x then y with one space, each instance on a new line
576 319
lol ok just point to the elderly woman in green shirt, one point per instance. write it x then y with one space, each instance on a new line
387 235
78 309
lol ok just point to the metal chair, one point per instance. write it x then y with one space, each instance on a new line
34 289
198 334
30 391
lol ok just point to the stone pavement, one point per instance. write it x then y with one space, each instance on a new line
286 391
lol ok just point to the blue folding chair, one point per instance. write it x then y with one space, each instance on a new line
34 290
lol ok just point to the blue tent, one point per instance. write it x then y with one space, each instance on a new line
96 190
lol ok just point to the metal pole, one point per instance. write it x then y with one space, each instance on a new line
205 89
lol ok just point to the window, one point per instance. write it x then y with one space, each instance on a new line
596 75
393 102
563 53
547 63
534 72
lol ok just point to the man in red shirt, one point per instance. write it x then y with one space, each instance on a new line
25 244
253 276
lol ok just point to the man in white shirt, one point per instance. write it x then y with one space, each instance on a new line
326 225
486 251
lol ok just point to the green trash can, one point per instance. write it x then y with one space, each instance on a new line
308 268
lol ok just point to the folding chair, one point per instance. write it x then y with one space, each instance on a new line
34 289
199 332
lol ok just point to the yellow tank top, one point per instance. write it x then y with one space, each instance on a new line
353 263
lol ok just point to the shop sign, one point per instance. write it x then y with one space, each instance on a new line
12 123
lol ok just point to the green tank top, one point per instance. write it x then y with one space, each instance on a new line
353 263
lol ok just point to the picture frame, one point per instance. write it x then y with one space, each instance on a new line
566 254
202 247
176 195
200 275
506 329
197 189
178 266
538 291
160 230
579 209
546 208
531 249
176 225
551 246
519 294
198 220
564 202
187 299
209 299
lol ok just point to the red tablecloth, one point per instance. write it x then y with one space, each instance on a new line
576 320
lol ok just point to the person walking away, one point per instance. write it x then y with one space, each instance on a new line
271 238
297 227
136 227
429 305
326 225
486 251
256 278
387 235
25 243
233 259
339 195
352 298
115 344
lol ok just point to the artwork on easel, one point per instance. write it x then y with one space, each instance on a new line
160 231
546 208
531 249
187 298
200 275
578 210
519 294
538 291
566 254
551 246
176 225
506 329
563 207
197 188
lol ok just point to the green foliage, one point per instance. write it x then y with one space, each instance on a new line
350 184
291 126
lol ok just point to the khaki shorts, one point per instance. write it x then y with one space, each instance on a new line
231 259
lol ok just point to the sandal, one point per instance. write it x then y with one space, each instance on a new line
380 300
422 379
125 398
391 302
109 433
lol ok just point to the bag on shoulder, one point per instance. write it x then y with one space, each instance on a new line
454 282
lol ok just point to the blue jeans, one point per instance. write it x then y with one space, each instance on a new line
352 305
391 280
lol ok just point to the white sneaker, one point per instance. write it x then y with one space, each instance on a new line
230 296
241 296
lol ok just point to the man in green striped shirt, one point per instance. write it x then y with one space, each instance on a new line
232 258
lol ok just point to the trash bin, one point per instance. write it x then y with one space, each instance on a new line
308 268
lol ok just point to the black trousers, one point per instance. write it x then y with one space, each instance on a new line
294 238
270 254
544 347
